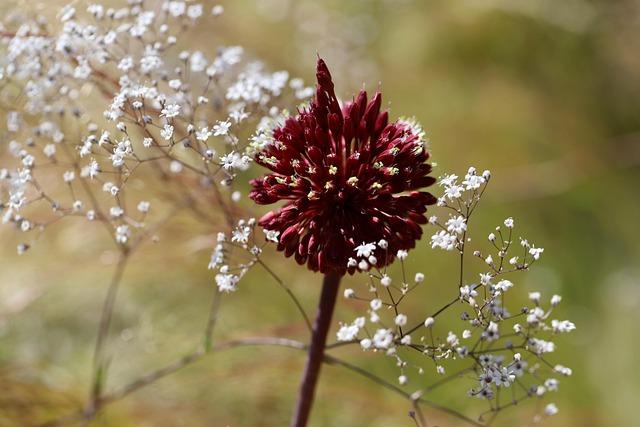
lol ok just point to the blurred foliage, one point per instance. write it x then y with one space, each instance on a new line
545 94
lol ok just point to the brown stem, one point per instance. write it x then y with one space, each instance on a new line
103 330
152 377
330 286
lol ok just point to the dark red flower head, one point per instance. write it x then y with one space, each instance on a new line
348 177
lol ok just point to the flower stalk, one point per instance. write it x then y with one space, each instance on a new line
315 356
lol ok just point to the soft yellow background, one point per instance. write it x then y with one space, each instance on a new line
544 93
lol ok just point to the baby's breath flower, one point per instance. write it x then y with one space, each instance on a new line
401 320
550 409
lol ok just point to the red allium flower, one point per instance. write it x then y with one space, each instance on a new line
348 177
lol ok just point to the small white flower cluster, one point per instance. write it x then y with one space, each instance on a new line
461 198
365 256
173 117
372 332
501 350
241 239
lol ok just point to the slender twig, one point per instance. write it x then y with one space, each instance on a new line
449 378
288 291
211 321
197 355
99 366
398 390
420 416
435 314
152 377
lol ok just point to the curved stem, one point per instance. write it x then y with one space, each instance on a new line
289 292
195 356
98 376
330 285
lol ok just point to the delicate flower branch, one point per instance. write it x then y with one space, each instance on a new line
498 359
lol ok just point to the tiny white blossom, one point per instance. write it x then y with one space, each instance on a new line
551 384
175 166
472 181
400 320
49 150
226 282
194 11
171 110
203 134
365 249
271 235
457 225
385 280
540 346
166 132
485 278
550 409
144 206
69 176
366 343
116 211
347 332
176 8
122 234
562 325
536 252
453 192
221 128
448 180
383 338
503 285
376 304
563 370
443 240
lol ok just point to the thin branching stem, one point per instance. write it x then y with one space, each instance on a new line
289 292
99 366
200 353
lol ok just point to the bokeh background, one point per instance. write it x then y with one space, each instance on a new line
544 93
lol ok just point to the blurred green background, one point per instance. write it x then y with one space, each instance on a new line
544 93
